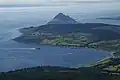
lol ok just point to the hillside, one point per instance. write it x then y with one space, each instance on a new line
74 34
57 73
110 18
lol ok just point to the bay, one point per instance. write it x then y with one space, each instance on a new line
15 55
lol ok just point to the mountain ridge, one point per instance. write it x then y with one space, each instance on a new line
69 34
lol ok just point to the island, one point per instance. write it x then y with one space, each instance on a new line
63 30
110 18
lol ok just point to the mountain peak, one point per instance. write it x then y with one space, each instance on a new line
60 15
60 18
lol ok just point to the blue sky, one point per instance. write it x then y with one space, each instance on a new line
51 1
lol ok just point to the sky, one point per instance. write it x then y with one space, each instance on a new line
4 2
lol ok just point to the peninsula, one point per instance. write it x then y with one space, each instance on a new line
63 30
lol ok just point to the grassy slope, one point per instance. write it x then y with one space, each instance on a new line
53 73
95 72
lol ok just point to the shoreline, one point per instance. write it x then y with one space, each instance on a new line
65 46
74 47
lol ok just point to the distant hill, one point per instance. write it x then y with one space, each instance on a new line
102 31
62 19
65 26
110 18
19 5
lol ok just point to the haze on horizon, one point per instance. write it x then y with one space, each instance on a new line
47 2
63 5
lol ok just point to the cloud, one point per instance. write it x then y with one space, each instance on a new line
53 2
83 1
22 1
79 2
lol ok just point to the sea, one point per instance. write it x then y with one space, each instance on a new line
14 55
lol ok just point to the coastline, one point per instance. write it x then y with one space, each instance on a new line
72 47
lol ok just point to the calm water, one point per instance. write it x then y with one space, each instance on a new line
14 55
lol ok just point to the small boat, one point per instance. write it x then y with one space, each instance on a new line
37 48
